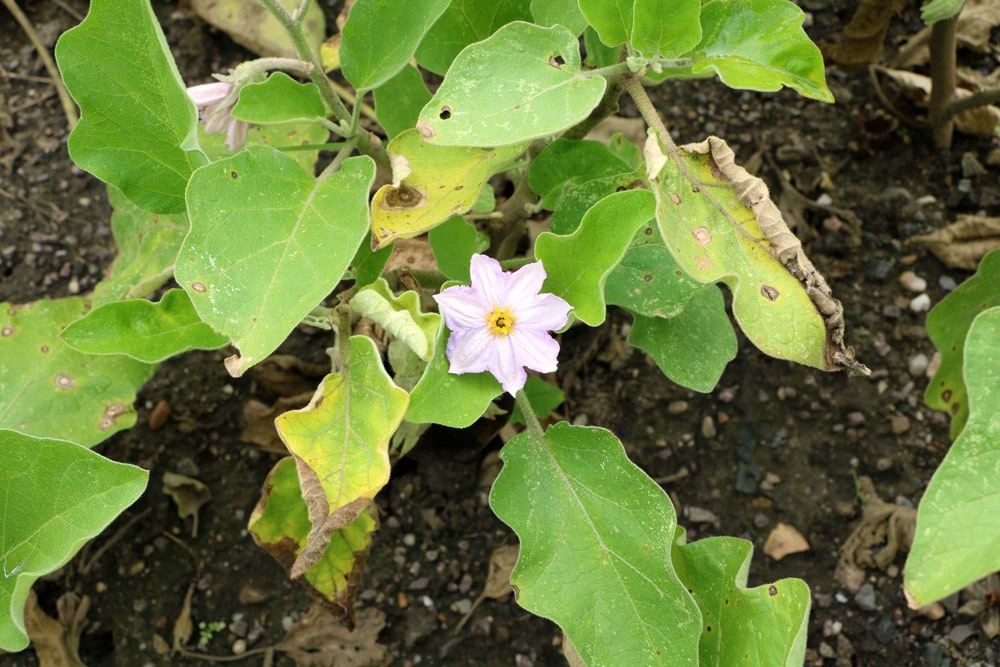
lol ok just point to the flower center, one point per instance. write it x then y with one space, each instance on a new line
500 321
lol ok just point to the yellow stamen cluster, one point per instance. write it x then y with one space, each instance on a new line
500 321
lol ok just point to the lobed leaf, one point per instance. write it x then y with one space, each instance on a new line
431 184
57 496
578 264
48 389
381 36
280 526
465 22
693 347
957 538
268 242
596 536
610 19
340 442
720 225
764 626
279 99
145 331
948 326
665 28
400 316
521 83
558 12
138 128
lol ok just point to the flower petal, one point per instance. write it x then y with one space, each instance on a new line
463 307
490 280
209 93
526 283
535 349
468 351
544 312
506 366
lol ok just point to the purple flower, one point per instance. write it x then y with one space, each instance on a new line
501 323
215 101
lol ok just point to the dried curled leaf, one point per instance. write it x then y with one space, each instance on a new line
963 243
979 121
864 34
752 193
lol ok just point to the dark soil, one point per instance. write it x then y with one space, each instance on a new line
784 443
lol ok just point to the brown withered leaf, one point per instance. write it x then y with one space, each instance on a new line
258 421
885 529
972 31
286 375
980 121
317 640
864 35
51 640
962 244
189 494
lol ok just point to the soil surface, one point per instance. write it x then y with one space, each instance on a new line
775 443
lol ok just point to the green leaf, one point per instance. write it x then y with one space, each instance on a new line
148 332
286 137
268 242
522 83
578 200
665 28
948 325
957 539
543 397
368 263
720 225
757 45
565 164
57 495
558 12
399 100
431 184
381 36
465 22
48 389
598 53
611 19
137 129
939 10
577 265
454 242
279 99
280 525
148 244
693 347
340 442
448 399
596 536
399 315
648 280
761 626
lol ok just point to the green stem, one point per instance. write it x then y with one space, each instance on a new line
293 27
342 155
530 418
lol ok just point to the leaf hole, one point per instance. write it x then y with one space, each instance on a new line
44 349
445 112
233 175
557 60
772 590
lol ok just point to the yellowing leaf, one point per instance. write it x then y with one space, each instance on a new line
340 442
430 184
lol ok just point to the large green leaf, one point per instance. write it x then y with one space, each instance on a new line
757 45
562 12
381 36
596 536
565 164
611 19
149 332
280 525
521 83
948 325
340 442
441 397
454 242
55 495
48 389
279 99
137 129
148 244
765 626
665 28
399 100
465 22
693 347
957 539
431 184
577 265
268 242
720 225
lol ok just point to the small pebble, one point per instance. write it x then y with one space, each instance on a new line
677 407
463 606
708 427
947 283
700 515
918 364
865 597
920 303
878 271
287 622
912 282
960 633
409 539
824 200
856 418
419 584
159 415
884 630
761 520
883 464
826 651
926 200
239 647
900 424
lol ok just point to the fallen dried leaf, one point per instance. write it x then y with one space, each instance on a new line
979 121
864 34
318 640
785 539
962 244
258 421
48 637
189 494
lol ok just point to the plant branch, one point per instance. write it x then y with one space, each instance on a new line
942 81
69 107
606 107
978 99
292 26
